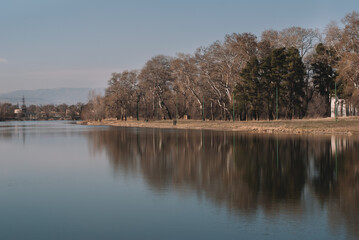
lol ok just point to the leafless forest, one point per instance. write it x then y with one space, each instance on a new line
244 77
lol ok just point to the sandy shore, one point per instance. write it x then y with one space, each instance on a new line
344 126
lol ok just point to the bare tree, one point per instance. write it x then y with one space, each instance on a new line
157 79
350 36
121 94
187 81
95 109
220 64
303 39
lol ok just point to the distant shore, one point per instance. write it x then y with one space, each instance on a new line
327 126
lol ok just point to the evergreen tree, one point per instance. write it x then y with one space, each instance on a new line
250 97
268 86
293 83
277 74
282 70
323 74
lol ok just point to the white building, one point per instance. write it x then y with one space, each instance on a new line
341 107
18 111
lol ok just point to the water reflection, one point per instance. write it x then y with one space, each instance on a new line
245 173
23 131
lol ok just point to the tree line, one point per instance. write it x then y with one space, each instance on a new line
41 112
289 74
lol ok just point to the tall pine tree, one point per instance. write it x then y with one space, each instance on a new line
250 89
293 84
282 70
324 75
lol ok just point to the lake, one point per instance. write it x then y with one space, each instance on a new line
59 180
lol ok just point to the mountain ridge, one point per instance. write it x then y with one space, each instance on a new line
49 96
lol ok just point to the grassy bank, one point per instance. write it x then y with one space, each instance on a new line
346 126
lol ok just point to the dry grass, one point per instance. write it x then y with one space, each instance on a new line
347 125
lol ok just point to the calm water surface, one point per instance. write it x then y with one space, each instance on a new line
63 181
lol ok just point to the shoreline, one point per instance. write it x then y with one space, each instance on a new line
322 126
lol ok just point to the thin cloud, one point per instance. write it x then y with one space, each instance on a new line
3 60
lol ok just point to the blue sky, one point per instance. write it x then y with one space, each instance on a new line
79 43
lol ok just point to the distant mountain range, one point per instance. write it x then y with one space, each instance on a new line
49 96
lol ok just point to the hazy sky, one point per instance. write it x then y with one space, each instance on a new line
74 43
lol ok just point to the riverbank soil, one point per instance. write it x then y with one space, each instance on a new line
345 125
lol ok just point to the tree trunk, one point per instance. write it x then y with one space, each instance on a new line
167 110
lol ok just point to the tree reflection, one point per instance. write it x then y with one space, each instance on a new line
244 172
